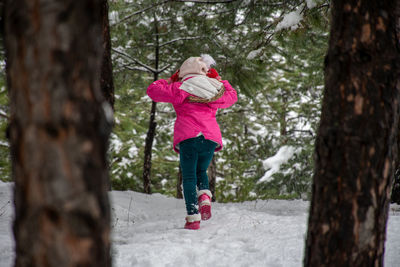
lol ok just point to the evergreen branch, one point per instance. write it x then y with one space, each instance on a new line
301 131
128 67
234 111
166 1
141 11
4 144
135 60
3 115
205 1
180 39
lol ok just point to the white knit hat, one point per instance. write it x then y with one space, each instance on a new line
196 65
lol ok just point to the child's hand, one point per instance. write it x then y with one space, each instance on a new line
212 73
174 77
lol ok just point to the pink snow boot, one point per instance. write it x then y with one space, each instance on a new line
193 222
205 204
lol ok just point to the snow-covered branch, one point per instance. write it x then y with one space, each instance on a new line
135 60
141 11
205 1
4 115
128 67
181 39
143 65
4 144
166 1
301 131
163 68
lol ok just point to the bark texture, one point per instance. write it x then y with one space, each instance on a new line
151 133
356 147
106 82
58 132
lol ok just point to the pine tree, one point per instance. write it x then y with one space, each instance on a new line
58 133
356 146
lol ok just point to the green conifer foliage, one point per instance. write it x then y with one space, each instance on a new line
278 75
5 163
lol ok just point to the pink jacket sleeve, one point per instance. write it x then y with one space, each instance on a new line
228 99
161 91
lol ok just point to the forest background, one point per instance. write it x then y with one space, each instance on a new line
272 52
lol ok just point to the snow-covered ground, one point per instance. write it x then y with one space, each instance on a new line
148 231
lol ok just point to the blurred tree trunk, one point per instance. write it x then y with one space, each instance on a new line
356 146
106 82
212 177
58 132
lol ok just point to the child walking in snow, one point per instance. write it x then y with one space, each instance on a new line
196 91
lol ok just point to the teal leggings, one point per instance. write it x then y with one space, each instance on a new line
195 156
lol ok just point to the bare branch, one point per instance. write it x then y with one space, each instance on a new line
135 60
145 68
164 68
182 38
128 67
141 11
205 1
166 1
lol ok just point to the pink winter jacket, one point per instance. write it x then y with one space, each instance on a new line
192 118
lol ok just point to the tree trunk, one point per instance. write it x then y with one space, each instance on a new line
356 144
395 197
106 82
179 193
212 177
151 133
58 133
283 118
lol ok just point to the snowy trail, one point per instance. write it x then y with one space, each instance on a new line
148 231
249 234
259 233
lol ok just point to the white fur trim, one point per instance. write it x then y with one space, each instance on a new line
208 60
204 191
205 203
193 218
